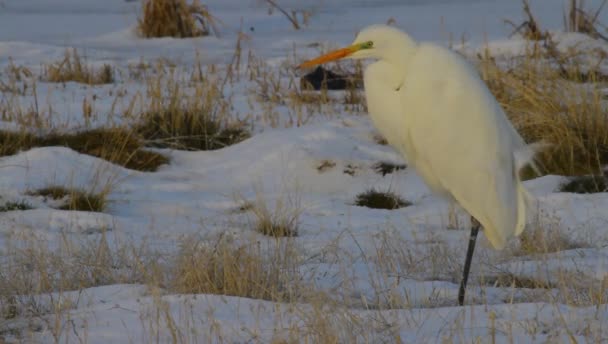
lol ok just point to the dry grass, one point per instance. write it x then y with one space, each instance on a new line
297 18
580 19
12 206
577 18
508 280
375 199
30 268
585 184
385 167
198 121
44 271
545 105
379 139
529 29
17 79
254 270
119 146
284 93
14 142
175 18
74 68
543 96
188 129
325 165
74 199
543 237
36 280
280 221
428 260
421 259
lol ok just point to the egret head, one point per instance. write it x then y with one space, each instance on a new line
376 41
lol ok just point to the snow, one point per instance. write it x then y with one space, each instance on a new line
196 194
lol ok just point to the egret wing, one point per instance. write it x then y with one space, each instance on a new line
460 141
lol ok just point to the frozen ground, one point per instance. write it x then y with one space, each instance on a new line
194 195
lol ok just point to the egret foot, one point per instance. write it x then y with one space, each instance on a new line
475 225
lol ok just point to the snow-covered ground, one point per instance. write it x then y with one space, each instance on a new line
357 257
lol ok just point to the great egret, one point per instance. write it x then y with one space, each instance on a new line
431 105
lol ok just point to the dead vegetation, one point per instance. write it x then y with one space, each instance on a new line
175 18
543 95
252 270
12 206
585 184
325 166
529 28
198 121
425 259
577 18
509 280
385 167
375 199
279 221
546 106
74 199
544 237
75 68
41 284
305 97
397 259
32 268
17 77
119 146
583 20
379 139
297 18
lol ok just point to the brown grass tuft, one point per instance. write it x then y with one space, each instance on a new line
17 79
249 270
188 129
12 206
379 139
119 146
293 16
14 142
282 221
385 167
74 68
529 29
201 121
175 18
579 19
585 184
508 280
32 268
380 200
544 238
75 199
544 105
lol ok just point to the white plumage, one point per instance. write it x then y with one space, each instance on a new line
432 106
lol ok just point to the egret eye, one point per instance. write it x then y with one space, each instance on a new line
367 45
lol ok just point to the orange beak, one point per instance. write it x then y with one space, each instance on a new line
331 56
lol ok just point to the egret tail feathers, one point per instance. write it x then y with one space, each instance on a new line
527 206
525 155
525 201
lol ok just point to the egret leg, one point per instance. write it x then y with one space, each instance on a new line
475 225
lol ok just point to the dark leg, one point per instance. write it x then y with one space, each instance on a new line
467 263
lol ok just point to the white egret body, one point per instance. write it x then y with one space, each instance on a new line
432 106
